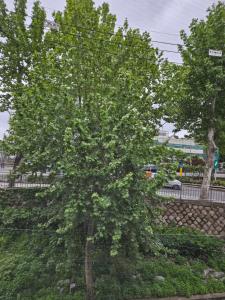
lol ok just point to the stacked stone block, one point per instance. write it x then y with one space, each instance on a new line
206 216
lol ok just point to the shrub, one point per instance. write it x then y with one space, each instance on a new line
108 288
191 243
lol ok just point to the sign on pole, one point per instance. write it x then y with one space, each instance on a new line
216 164
216 159
217 53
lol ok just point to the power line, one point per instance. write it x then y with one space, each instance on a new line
169 51
127 48
167 43
112 34
53 25
120 26
165 33
118 44
50 24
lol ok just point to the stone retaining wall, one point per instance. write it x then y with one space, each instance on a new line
206 216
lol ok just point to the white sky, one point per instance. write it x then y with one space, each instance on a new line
165 16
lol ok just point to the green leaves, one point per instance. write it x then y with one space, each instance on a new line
88 113
20 47
204 78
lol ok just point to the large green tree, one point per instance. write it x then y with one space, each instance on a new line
200 85
89 113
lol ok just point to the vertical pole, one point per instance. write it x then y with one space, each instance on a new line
181 171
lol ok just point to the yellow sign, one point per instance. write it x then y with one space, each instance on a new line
181 172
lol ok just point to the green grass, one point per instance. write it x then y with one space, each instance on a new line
180 280
30 269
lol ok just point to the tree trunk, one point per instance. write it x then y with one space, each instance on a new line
90 295
204 192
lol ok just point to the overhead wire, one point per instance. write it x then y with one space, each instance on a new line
120 26
114 43
167 43
118 44
143 58
124 35
165 33
136 56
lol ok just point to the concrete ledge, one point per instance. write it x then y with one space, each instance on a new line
196 202
217 296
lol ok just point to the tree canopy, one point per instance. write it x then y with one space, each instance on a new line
204 78
20 46
89 112
199 84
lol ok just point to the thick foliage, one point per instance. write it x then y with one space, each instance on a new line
89 113
202 78
20 47
191 243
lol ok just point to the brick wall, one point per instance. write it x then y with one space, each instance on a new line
206 216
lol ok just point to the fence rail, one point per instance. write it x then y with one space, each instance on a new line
23 181
187 192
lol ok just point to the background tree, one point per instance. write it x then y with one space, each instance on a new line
201 107
20 46
89 113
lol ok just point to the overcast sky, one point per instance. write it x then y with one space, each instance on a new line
162 18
